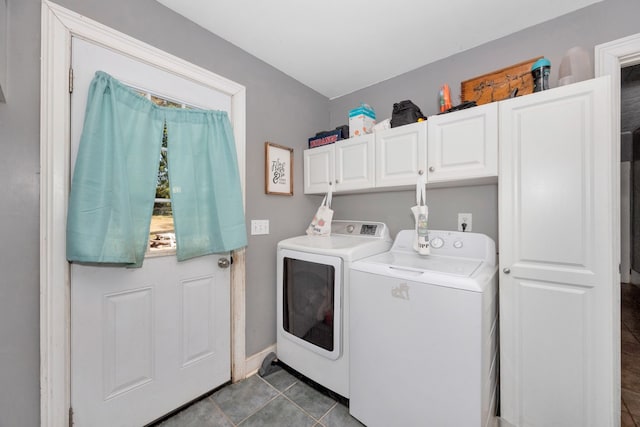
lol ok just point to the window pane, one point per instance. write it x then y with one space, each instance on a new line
162 234
164 102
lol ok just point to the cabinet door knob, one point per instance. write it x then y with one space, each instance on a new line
420 172
506 270
337 181
432 169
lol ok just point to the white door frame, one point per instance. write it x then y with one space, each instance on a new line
609 59
58 26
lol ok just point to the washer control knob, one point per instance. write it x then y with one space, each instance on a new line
437 242
457 244
350 228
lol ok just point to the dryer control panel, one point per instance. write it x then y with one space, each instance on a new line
360 228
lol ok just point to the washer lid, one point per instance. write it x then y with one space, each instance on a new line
453 266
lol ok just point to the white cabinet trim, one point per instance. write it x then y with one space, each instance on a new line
609 59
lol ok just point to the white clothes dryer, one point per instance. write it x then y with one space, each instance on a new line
423 333
313 299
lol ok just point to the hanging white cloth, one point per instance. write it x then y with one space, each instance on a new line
421 215
321 222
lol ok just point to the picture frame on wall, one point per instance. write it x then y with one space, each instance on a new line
278 167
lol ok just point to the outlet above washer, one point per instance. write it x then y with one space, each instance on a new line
464 221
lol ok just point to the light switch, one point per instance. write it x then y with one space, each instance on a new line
259 226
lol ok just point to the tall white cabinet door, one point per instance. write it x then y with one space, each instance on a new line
557 259
401 154
318 169
354 163
463 144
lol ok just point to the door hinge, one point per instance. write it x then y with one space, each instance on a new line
231 259
70 417
70 80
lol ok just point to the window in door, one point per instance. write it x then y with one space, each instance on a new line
162 236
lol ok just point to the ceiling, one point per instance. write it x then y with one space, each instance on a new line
339 46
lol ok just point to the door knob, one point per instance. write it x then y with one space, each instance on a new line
506 270
223 263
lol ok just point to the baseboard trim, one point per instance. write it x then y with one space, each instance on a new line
254 362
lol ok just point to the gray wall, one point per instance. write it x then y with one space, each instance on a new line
279 110
599 23
19 220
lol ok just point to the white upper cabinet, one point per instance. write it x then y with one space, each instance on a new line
319 164
401 155
348 164
461 148
463 144
354 163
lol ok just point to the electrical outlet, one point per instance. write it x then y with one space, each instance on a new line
259 226
464 218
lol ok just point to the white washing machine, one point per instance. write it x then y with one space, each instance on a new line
313 299
423 333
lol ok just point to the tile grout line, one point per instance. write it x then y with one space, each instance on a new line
317 420
327 413
282 393
258 410
223 413
278 394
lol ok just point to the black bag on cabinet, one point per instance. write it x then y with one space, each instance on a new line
404 113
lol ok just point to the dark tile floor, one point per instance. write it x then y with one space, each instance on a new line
278 400
281 400
630 354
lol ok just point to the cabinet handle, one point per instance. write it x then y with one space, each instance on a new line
420 172
337 181
506 270
432 169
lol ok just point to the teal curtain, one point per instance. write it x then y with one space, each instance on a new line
205 185
114 180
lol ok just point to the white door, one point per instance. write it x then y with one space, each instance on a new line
557 258
144 341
